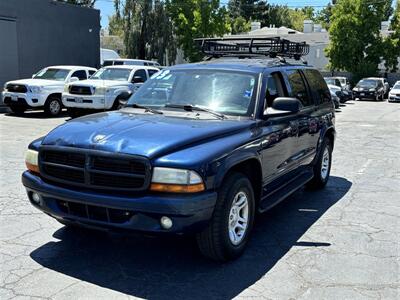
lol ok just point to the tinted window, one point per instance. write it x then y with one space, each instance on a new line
141 73
318 86
274 88
91 72
298 87
108 63
152 72
81 74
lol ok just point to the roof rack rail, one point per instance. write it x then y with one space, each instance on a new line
253 46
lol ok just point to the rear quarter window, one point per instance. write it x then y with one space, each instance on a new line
318 86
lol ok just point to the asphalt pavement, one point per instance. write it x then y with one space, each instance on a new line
342 242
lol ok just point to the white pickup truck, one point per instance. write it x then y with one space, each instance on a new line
107 89
43 90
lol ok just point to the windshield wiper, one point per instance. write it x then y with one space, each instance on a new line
190 107
146 108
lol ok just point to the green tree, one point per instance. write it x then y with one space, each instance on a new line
324 16
115 25
242 8
86 3
356 43
195 19
148 32
240 25
392 42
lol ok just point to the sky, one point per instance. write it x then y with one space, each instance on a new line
106 7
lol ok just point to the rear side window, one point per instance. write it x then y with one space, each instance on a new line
81 74
91 72
275 88
108 63
152 72
318 86
141 73
298 87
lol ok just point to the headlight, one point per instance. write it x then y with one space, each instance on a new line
176 181
372 90
31 160
101 90
35 89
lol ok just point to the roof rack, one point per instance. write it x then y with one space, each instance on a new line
253 46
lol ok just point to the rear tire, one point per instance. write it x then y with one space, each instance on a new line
17 110
322 167
53 106
74 112
228 232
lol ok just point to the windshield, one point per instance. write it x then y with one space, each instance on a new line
112 74
221 91
367 83
396 86
52 74
330 81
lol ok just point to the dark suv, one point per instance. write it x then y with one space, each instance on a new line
199 149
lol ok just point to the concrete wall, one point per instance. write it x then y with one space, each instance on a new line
46 33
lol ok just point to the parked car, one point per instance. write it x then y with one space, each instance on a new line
370 88
335 100
345 93
129 62
43 90
337 91
199 149
108 88
394 94
107 54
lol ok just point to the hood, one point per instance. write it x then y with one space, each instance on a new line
100 83
140 134
37 82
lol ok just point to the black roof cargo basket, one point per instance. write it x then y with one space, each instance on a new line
253 46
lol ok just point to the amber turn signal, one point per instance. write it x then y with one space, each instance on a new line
177 188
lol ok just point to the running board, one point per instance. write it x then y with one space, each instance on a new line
275 197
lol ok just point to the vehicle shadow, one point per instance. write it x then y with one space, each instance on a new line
36 115
172 268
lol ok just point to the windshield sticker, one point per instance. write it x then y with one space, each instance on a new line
162 74
247 94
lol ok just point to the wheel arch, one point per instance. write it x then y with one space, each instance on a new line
249 166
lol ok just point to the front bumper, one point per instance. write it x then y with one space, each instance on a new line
23 99
365 95
189 213
394 98
88 101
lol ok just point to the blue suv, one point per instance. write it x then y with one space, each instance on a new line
199 149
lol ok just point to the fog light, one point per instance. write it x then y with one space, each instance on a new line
166 222
36 198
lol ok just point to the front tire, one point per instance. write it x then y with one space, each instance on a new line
53 107
228 232
322 167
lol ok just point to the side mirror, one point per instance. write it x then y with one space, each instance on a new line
283 106
137 79
73 79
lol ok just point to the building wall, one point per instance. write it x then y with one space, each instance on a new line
38 33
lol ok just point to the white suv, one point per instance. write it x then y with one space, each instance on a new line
43 90
108 88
